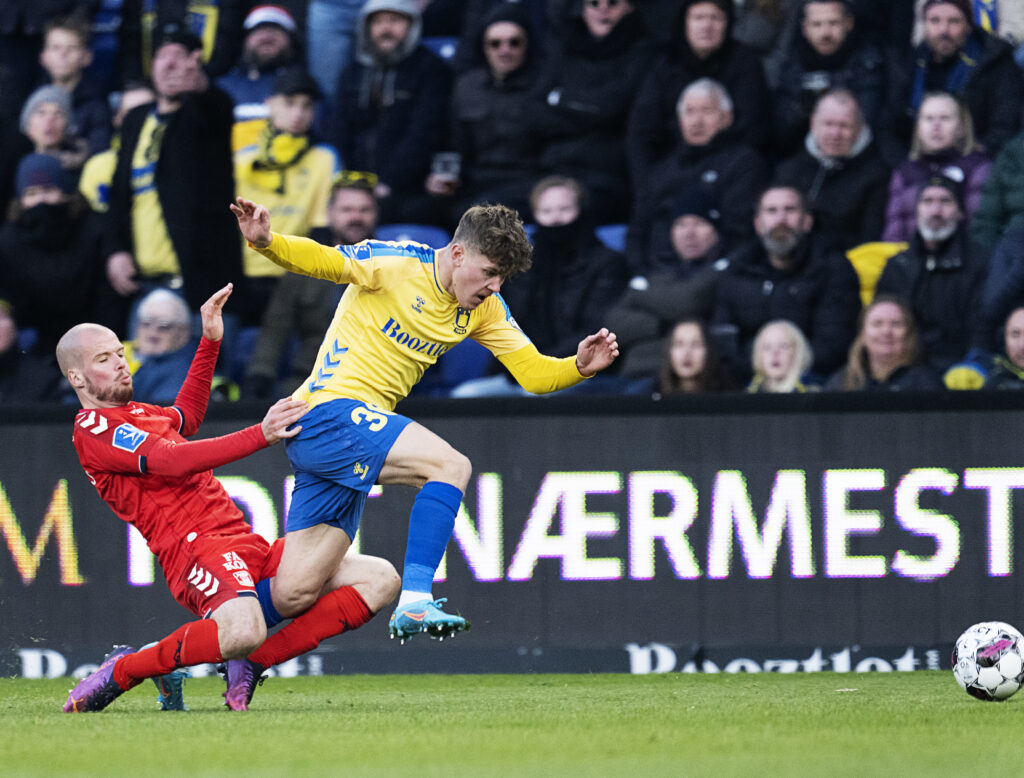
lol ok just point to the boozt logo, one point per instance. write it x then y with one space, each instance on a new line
395 331
129 438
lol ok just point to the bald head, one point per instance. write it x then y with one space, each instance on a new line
92 359
74 342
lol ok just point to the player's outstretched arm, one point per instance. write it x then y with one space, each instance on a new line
253 221
596 352
282 415
211 312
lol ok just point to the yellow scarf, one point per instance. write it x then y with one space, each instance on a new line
278 151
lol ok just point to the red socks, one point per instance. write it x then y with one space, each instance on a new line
191 644
334 613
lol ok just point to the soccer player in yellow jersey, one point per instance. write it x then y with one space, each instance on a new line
405 305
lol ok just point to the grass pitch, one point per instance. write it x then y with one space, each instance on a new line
900 724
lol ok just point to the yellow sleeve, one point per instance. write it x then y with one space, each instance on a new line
539 374
309 258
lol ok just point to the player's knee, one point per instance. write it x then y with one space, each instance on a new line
296 599
242 638
457 470
382 585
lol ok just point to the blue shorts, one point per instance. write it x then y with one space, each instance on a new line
336 458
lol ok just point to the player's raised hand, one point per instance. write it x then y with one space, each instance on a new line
282 415
210 311
253 221
596 352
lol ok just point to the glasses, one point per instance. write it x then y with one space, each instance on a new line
356 178
161 325
497 43
605 3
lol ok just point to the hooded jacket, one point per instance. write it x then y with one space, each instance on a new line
390 113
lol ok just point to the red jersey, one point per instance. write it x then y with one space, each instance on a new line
138 459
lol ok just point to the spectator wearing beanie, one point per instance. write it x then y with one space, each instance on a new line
48 122
51 256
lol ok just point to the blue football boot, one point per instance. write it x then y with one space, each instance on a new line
425 616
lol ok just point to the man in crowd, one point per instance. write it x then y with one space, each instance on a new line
840 172
174 173
389 117
270 42
942 275
789 273
725 170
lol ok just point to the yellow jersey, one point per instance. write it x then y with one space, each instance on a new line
395 319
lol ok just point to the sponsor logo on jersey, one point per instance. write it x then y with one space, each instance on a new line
461 321
397 333
418 305
234 562
129 438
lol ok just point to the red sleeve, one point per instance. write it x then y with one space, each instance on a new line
194 395
180 459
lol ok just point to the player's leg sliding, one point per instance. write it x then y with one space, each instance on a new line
431 523
191 644
337 611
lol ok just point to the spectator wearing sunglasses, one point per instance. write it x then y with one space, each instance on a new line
599 52
498 158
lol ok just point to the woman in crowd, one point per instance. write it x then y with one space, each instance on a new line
943 144
781 357
884 355
691 364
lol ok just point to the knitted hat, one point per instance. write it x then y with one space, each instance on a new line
270 14
39 170
176 32
697 202
947 182
964 6
43 95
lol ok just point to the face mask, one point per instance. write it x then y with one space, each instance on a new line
45 225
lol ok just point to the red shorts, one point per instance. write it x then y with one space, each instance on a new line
222 568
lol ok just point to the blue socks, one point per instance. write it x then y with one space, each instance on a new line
431 522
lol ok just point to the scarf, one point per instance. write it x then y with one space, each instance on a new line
277 151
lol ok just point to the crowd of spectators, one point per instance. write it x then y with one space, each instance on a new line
759 195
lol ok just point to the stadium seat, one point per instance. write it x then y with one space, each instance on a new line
443 46
435 237
613 236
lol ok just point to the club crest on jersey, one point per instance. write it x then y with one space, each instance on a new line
129 438
362 251
461 321
243 578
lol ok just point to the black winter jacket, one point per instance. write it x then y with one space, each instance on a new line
944 289
820 294
195 182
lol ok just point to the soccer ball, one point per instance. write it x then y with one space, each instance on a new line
988 661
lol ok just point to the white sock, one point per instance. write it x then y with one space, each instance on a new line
409 596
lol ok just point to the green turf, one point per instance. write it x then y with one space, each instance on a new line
823 724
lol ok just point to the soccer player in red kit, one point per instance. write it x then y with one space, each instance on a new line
137 457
